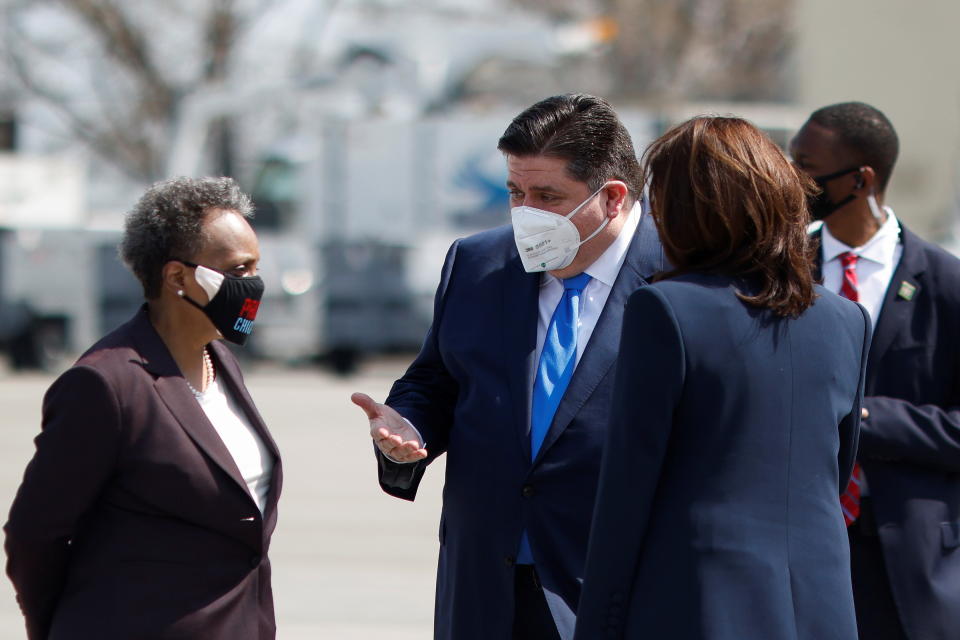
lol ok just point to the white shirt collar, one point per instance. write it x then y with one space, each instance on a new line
880 248
607 266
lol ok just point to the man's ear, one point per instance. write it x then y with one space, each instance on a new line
173 276
617 193
866 180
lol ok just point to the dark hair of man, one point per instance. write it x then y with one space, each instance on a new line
727 201
582 129
865 133
166 224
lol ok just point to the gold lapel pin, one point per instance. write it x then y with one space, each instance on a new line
907 291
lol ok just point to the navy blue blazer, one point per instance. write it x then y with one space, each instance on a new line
469 393
910 444
732 435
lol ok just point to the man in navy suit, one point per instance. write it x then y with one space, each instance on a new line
903 508
515 376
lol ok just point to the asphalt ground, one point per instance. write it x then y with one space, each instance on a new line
349 562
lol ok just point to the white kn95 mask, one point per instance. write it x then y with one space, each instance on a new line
548 241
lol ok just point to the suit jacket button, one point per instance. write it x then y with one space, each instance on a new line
527 491
508 561
254 561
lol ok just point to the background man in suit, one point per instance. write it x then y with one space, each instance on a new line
515 376
903 505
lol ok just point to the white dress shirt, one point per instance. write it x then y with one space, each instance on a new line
242 441
603 273
879 258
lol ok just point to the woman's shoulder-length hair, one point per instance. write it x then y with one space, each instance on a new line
727 200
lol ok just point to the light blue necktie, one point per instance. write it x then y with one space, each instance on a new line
557 360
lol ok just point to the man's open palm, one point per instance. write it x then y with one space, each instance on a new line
393 435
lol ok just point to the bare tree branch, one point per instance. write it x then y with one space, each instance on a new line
126 44
110 143
129 112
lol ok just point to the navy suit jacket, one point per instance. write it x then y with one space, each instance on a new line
133 520
732 435
910 444
469 393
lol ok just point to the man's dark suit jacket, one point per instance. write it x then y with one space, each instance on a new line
732 435
910 444
133 520
468 392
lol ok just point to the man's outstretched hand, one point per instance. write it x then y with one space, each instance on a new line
393 435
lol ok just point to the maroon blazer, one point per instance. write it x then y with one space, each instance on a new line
133 520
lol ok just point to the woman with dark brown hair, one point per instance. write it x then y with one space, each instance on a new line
735 414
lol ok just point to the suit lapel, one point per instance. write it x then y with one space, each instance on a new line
644 258
520 312
227 366
230 374
184 407
899 301
173 391
897 309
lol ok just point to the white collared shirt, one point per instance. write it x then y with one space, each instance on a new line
603 273
879 258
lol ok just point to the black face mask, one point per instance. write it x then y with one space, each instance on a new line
820 205
234 307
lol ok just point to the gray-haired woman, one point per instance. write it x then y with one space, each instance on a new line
148 507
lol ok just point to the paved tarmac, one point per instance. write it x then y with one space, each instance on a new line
349 562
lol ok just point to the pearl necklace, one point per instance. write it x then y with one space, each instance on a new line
208 374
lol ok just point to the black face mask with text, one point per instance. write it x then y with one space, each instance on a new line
233 308
820 205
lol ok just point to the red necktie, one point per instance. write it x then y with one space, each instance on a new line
850 500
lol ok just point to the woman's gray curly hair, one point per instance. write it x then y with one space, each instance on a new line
166 224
